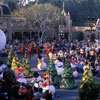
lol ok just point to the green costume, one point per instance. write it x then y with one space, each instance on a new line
26 66
10 56
15 62
67 78
52 71
87 75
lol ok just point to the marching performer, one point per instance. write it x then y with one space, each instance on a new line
41 64
53 48
23 49
30 51
59 66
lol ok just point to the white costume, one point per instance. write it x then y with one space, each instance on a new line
41 64
59 67
75 72
21 79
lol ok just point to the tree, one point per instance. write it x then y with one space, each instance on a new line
42 17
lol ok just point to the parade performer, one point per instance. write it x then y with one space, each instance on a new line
19 76
52 71
73 66
37 49
87 75
10 56
47 49
41 64
15 62
30 51
53 48
23 49
26 66
59 66
67 78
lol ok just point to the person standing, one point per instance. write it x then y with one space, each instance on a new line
23 49
9 78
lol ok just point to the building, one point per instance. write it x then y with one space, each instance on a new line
5 20
89 32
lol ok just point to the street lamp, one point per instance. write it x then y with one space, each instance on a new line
62 35
90 23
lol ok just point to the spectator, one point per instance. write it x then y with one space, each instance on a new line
9 77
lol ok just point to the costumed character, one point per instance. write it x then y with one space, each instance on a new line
30 51
41 64
37 49
67 78
53 48
87 75
10 56
59 66
23 49
75 72
47 84
47 49
26 66
60 53
15 62
52 71
19 77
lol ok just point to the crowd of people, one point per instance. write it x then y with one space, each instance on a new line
79 54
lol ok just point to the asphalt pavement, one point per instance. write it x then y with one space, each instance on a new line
63 93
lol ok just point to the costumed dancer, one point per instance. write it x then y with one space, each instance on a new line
19 76
59 66
23 49
47 84
53 48
52 71
30 51
26 66
15 62
87 75
67 78
41 64
37 49
47 49
73 66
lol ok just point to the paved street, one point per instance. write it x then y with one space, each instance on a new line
64 94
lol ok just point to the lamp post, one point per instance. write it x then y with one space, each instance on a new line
90 23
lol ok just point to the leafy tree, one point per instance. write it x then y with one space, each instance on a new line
42 17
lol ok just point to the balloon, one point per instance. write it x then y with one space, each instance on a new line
2 40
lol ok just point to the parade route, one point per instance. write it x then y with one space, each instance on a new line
64 94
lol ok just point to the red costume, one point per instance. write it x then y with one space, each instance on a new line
37 49
30 51
23 49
